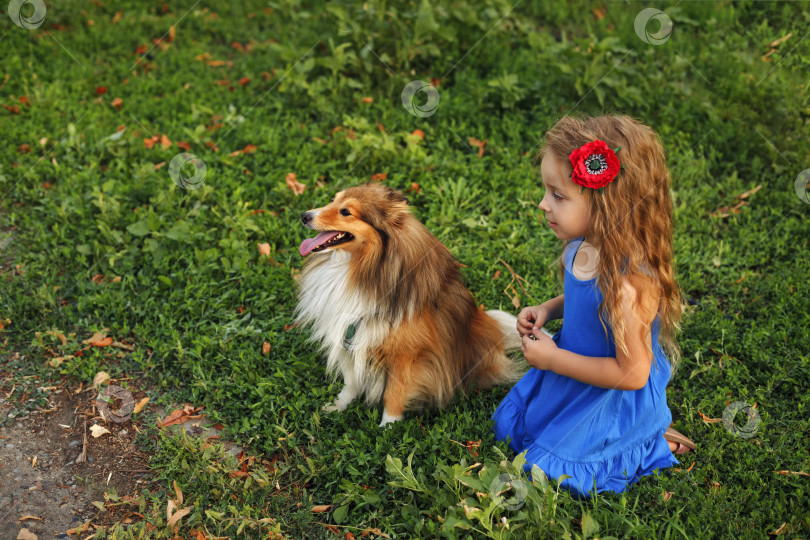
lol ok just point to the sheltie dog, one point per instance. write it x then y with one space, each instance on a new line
386 301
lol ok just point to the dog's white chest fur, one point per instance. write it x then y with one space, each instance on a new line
326 300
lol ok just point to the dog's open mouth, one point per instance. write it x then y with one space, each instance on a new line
324 240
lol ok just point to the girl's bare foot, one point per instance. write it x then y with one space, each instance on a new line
672 446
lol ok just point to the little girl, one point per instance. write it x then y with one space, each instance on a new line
593 406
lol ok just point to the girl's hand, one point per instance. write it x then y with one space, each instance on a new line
531 316
538 349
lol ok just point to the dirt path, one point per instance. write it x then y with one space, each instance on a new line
42 487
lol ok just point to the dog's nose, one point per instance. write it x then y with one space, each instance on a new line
306 217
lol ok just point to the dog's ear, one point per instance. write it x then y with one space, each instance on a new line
396 196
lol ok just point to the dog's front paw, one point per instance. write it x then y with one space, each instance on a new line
388 419
333 406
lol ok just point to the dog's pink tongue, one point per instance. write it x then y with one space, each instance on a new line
311 243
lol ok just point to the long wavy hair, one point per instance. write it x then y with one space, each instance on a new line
631 220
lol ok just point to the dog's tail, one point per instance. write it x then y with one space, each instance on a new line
508 325
503 369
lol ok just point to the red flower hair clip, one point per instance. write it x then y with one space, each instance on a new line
594 165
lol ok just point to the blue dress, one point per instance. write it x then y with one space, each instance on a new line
598 436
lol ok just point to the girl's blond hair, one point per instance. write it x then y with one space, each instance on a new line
631 219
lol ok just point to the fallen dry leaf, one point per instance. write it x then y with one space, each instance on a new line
373 530
97 430
265 348
478 144
141 404
119 345
177 516
379 177
117 102
320 508
797 473
102 342
100 378
296 186
667 494
264 249
97 336
25 534
418 133
165 142
27 516
54 362
177 493
778 531
709 420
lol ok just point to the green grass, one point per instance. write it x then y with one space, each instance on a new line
198 299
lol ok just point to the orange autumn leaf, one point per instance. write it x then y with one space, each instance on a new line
379 177
367 100
264 249
100 90
243 81
265 348
150 142
177 416
183 145
117 102
709 420
414 188
165 142
250 149
478 144
24 101
320 508
418 133
296 186
102 343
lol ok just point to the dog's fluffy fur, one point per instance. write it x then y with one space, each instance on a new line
419 334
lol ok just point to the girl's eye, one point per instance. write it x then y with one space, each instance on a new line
345 212
558 197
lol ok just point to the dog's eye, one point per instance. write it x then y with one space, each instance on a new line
345 212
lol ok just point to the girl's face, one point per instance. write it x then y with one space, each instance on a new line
565 208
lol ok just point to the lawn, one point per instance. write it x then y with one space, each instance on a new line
100 228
